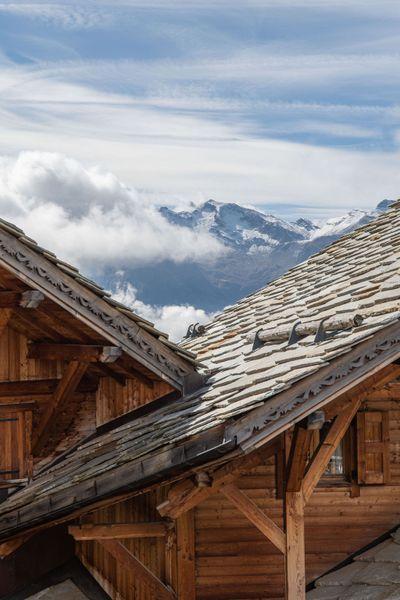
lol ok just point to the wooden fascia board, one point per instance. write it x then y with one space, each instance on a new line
39 273
313 393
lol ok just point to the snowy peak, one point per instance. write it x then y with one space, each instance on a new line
251 231
237 226
339 226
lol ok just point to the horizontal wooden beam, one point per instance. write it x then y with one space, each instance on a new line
187 494
255 515
118 531
136 568
28 299
39 387
80 352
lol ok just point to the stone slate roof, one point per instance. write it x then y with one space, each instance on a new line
373 575
360 274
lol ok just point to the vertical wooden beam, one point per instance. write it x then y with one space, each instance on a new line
186 556
295 567
298 457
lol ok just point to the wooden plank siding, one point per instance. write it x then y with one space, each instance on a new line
113 576
113 399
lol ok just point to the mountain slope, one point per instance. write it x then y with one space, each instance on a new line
259 248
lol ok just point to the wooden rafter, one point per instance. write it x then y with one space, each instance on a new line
118 531
79 352
65 389
187 494
130 562
255 515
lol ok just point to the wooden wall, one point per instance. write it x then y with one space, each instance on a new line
234 561
113 399
114 578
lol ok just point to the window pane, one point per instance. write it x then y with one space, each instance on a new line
335 465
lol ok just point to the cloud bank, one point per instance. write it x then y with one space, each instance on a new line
174 319
89 217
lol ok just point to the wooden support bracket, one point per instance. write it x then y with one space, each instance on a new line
255 515
65 389
187 494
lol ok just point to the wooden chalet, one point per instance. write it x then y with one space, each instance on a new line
246 463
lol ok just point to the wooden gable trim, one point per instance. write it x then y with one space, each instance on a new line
130 562
362 363
85 305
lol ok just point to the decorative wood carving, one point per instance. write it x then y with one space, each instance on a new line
28 262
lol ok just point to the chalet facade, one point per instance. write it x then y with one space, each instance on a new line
246 463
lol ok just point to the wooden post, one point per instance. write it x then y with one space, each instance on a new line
186 556
295 567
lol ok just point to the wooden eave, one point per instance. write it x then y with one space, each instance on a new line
37 271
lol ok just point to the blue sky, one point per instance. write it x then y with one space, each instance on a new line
287 104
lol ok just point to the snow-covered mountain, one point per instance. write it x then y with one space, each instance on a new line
259 248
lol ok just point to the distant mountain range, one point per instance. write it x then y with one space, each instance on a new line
260 247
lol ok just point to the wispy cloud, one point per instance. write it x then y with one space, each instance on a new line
70 17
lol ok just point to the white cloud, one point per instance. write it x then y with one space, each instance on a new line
172 319
89 217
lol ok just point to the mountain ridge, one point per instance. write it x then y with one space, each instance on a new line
259 248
